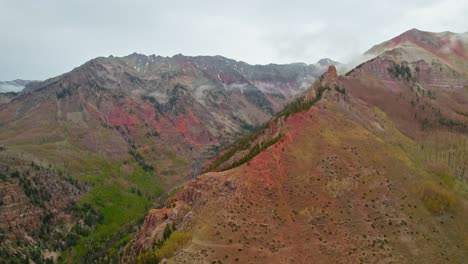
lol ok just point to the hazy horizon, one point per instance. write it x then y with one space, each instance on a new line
47 38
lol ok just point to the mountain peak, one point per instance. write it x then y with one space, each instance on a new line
326 62
413 30
331 74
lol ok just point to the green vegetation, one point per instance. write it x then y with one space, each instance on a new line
157 106
340 90
152 133
173 192
244 125
172 241
445 155
35 195
63 93
300 104
176 241
437 199
90 215
452 124
402 72
176 95
255 151
33 256
141 161
15 174
257 98
241 144
110 210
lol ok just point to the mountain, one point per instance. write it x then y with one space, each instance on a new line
413 45
367 167
115 133
325 62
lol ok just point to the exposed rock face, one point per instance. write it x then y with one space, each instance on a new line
153 227
327 80
157 219
331 75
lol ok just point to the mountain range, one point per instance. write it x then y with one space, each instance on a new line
122 130
239 163
367 167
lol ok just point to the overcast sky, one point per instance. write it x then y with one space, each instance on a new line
43 38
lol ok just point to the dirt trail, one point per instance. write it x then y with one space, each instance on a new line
214 245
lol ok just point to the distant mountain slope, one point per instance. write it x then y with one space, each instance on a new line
13 86
325 62
125 129
415 45
366 167
7 97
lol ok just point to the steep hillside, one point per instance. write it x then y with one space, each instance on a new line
7 97
127 129
37 207
366 167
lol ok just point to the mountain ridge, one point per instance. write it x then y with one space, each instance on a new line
352 177
123 130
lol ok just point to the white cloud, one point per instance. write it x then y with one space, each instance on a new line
41 39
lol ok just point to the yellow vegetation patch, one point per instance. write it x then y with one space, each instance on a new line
176 241
436 198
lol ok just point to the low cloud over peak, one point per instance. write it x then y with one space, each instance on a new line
41 39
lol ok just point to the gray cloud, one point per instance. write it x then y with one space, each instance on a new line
41 39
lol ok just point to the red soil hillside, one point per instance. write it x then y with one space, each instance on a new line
124 130
363 174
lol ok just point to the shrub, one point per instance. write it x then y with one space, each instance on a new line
141 161
400 72
148 257
63 93
255 151
15 174
437 199
340 90
176 241
300 104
